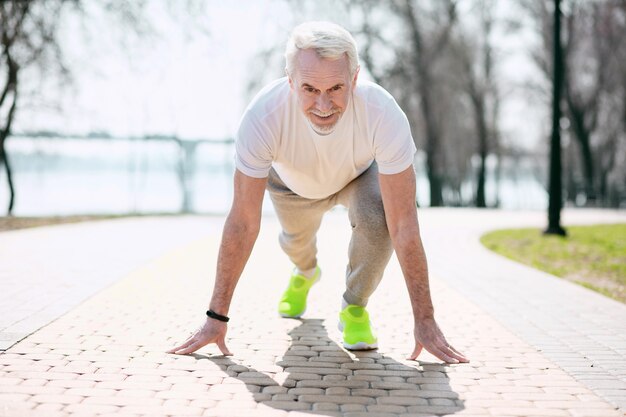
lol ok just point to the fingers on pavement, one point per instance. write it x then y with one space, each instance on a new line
184 345
193 345
447 354
191 348
458 355
416 352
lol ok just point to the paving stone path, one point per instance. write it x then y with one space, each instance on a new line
115 295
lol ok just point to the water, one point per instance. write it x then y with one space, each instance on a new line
109 176
69 176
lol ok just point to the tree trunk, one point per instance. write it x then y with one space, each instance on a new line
481 126
186 168
582 134
4 160
476 95
433 136
434 176
4 133
480 189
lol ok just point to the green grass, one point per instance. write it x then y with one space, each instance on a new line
592 256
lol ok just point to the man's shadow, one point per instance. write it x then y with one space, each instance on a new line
324 379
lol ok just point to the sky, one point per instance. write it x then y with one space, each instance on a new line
177 80
184 82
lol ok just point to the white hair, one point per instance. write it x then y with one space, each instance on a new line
329 40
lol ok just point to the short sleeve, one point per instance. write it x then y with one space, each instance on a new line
393 144
253 147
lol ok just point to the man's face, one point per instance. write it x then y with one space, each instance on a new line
323 88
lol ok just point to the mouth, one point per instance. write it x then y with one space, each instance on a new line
324 117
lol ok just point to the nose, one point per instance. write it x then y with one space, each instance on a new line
323 103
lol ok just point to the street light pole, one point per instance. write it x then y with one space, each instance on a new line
555 188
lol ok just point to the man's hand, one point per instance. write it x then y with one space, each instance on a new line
213 331
429 336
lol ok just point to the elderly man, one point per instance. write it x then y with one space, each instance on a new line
316 139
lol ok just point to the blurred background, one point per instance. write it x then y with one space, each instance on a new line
127 106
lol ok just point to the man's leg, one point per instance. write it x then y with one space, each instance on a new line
369 252
370 246
300 219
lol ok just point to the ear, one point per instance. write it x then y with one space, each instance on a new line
289 78
356 76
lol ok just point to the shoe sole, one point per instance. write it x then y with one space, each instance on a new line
358 345
287 316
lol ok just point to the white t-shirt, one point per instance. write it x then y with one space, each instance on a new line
275 132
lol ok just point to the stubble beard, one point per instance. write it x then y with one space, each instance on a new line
324 129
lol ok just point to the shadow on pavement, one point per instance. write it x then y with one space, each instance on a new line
322 378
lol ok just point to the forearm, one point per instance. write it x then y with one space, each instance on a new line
240 232
410 252
237 242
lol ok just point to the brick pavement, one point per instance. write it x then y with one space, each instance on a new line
44 272
106 356
579 330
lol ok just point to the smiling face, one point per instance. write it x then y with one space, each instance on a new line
323 88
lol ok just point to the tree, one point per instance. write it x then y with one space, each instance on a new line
414 72
31 46
594 89
423 56
476 65
594 93
28 38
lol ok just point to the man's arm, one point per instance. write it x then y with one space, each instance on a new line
240 232
398 193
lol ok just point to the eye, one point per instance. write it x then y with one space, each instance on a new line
336 88
309 91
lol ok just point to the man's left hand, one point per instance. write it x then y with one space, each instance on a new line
428 336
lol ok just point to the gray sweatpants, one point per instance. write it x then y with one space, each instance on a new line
370 245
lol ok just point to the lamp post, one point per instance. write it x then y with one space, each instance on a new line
555 188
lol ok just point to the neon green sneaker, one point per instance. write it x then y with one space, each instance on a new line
293 302
354 322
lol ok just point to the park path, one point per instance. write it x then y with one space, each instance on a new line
88 311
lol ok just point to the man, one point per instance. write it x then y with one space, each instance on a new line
316 139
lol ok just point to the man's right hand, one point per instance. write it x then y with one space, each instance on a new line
213 331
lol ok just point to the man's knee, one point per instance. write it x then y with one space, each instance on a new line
298 240
369 217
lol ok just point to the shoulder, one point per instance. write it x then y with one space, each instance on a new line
372 96
270 100
261 122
